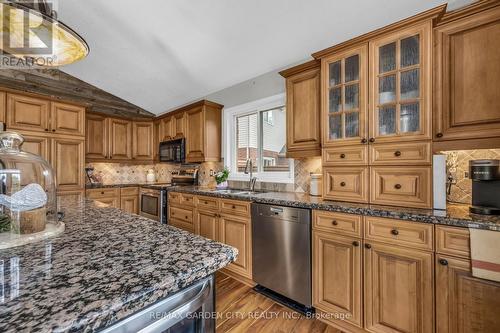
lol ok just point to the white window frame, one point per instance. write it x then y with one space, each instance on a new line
229 139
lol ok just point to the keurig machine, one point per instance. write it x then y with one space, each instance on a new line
485 176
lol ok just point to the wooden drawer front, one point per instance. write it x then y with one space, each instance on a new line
411 234
174 198
401 186
207 203
401 153
103 193
129 191
339 223
181 214
355 155
241 208
181 225
453 241
187 199
346 183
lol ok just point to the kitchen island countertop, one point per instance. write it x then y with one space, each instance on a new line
107 265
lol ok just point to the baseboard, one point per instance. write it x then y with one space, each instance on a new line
238 277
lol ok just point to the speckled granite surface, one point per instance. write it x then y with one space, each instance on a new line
120 185
456 214
105 266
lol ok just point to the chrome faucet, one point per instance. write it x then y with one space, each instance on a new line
249 171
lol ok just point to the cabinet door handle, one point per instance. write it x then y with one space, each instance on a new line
395 232
368 246
102 192
342 155
342 184
372 140
364 141
334 222
234 207
397 186
439 135
46 130
397 153
355 243
443 262
53 130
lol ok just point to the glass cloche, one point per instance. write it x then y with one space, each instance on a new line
28 202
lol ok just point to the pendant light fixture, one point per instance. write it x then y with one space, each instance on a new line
32 36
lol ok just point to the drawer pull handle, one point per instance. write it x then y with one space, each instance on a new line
186 217
443 262
206 203
397 153
395 232
334 222
173 213
342 155
439 135
234 207
342 184
355 243
368 246
102 192
397 186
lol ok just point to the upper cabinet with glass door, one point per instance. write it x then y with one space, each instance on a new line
344 97
400 75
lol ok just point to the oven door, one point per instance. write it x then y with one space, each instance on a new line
151 204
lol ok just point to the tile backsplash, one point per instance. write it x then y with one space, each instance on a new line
457 166
114 173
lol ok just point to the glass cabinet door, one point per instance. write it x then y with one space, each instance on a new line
344 102
398 102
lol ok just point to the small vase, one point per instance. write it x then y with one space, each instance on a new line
222 185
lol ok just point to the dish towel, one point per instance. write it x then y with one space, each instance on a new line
485 254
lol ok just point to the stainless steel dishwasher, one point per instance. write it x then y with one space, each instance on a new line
281 239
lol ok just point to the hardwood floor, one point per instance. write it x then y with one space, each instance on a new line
240 309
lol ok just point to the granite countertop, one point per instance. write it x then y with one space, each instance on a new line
107 265
455 215
120 185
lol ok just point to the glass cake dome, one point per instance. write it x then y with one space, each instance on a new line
28 202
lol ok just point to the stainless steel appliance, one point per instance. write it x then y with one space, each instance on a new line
173 151
281 239
153 200
185 311
485 175
153 204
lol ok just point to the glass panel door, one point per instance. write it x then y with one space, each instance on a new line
344 98
399 83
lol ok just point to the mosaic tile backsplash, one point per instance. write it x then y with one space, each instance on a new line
113 173
457 166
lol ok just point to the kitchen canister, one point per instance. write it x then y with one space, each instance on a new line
316 185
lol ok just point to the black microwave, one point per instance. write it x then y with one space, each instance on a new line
173 151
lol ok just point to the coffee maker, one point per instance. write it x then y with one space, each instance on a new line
485 176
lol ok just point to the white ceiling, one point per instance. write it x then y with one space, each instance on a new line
160 54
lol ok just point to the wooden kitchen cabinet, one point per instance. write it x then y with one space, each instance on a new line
142 140
236 231
206 224
120 139
400 84
67 119
130 203
73 196
167 126
346 183
467 78
38 145
178 124
337 275
303 110
399 292
27 113
3 106
68 160
464 303
344 99
96 137
202 132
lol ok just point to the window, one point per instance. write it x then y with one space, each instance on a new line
257 131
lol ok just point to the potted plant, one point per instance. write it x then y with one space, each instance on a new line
221 178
